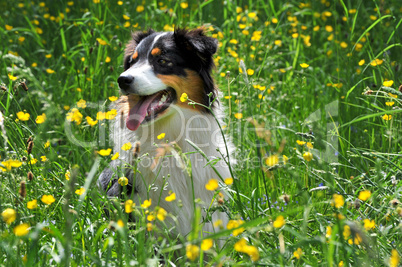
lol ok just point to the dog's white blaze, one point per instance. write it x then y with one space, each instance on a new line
145 80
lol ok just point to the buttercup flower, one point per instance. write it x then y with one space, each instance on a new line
170 197
192 252
279 222
9 215
33 204
21 230
364 195
212 185
48 199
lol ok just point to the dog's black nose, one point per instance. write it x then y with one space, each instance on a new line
125 82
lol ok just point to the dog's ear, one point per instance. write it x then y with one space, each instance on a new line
195 41
136 39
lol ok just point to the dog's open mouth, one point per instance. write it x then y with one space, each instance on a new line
149 108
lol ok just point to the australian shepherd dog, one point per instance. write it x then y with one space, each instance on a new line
169 105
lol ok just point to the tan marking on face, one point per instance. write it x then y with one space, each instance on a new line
192 85
156 51
135 55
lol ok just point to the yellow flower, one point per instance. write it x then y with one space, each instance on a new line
170 197
304 65
50 71
47 144
146 204
278 42
279 222
298 253
368 225
376 62
22 116
67 175
80 191
212 185
150 227
329 232
300 143
115 156
338 200
250 72
346 232
329 28
113 98
390 103
33 161
308 156
111 114
48 199
184 5
392 95
123 181
161 214
241 246
9 215
126 146
343 44
340 264
252 251
108 59
41 118
151 217
387 117
388 83
272 160
316 28
82 103
309 145
21 230
140 9
74 115
33 204
161 136
192 251
90 121
285 159
295 35
11 77
120 223
274 20
43 158
105 152
232 224
207 244
183 97
128 206
364 195
8 27
101 41
361 62
394 259
229 181
238 115
11 163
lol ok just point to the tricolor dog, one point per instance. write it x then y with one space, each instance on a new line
160 69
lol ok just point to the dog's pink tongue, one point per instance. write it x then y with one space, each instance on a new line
137 114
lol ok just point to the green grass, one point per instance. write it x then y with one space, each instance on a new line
67 51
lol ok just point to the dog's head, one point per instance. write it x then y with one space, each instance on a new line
160 67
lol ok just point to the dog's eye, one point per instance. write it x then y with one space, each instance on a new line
164 62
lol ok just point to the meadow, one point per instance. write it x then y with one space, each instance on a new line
312 94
